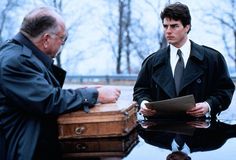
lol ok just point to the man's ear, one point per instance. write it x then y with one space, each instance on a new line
45 39
187 28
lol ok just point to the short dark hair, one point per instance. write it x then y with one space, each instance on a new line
38 21
177 11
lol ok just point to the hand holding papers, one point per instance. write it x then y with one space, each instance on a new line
177 105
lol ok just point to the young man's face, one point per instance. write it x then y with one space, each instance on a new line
175 32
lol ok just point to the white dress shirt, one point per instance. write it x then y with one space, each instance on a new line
185 49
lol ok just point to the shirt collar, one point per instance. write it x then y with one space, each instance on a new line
185 49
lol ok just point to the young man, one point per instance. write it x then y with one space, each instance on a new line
31 93
184 68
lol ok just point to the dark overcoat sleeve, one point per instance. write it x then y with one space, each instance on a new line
33 88
221 88
31 98
142 87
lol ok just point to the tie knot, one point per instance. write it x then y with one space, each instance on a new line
179 53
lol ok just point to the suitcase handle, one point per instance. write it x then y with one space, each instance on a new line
79 130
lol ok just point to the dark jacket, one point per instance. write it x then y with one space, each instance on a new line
205 76
31 98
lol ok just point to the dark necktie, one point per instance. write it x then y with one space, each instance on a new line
180 141
179 69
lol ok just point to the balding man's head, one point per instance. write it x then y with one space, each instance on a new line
46 29
40 20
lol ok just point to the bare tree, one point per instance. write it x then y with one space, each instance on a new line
132 39
120 37
124 39
127 36
120 26
7 7
226 20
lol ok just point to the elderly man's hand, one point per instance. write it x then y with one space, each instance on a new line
108 94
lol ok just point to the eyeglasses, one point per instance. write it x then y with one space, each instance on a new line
63 38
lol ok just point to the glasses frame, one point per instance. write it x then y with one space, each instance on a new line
62 38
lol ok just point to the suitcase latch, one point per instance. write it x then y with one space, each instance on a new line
127 115
79 130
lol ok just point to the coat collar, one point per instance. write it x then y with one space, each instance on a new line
193 70
23 40
197 51
59 73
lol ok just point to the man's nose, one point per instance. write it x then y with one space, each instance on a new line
168 29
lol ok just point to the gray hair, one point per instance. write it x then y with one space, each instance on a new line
39 20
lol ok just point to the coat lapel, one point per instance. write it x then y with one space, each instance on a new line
194 68
162 73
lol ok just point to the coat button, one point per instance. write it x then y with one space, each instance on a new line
199 81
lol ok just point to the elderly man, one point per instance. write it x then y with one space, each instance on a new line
31 93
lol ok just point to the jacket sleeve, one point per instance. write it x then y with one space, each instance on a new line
29 87
223 89
142 86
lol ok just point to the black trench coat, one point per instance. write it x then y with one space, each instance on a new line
31 98
205 76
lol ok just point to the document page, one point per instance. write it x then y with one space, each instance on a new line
174 105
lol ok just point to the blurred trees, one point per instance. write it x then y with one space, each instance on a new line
129 30
7 18
128 37
119 38
223 15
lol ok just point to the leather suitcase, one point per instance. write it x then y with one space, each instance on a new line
104 120
99 147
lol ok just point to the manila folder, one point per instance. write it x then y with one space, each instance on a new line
173 105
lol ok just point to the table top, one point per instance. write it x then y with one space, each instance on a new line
213 140
208 139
